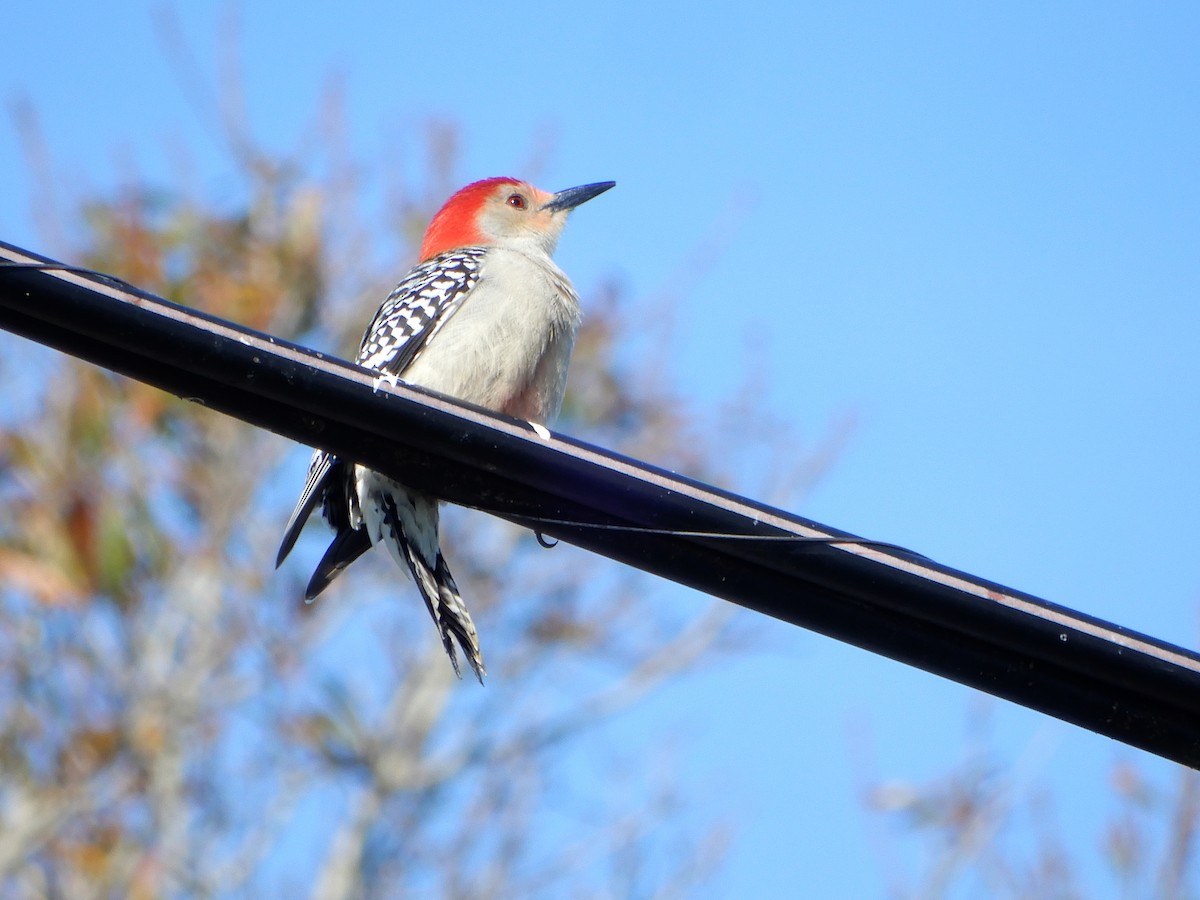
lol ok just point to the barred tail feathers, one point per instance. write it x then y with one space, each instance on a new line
408 528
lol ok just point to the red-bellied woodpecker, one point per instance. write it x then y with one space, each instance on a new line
486 317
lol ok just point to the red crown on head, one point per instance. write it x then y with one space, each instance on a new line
456 223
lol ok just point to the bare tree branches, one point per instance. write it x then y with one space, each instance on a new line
173 721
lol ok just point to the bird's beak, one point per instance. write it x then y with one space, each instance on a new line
572 197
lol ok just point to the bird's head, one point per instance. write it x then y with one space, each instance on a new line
504 212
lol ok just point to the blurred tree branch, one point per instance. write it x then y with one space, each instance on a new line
173 721
987 827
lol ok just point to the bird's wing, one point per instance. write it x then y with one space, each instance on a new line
419 305
347 546
409 316
315 487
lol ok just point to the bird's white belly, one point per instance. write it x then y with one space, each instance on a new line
505 348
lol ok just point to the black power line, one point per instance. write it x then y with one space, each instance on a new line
1095 674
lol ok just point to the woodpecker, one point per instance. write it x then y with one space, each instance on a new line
485 316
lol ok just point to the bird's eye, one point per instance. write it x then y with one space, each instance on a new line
516 201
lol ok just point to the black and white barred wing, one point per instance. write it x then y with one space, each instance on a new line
408 318
420 304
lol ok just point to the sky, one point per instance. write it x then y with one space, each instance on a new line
974 228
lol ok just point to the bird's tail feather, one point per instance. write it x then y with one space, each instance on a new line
439 591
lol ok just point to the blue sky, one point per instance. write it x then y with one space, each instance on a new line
975 227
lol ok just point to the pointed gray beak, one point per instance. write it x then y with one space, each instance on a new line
572 197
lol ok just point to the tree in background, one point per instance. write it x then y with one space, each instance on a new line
987 826
174 721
